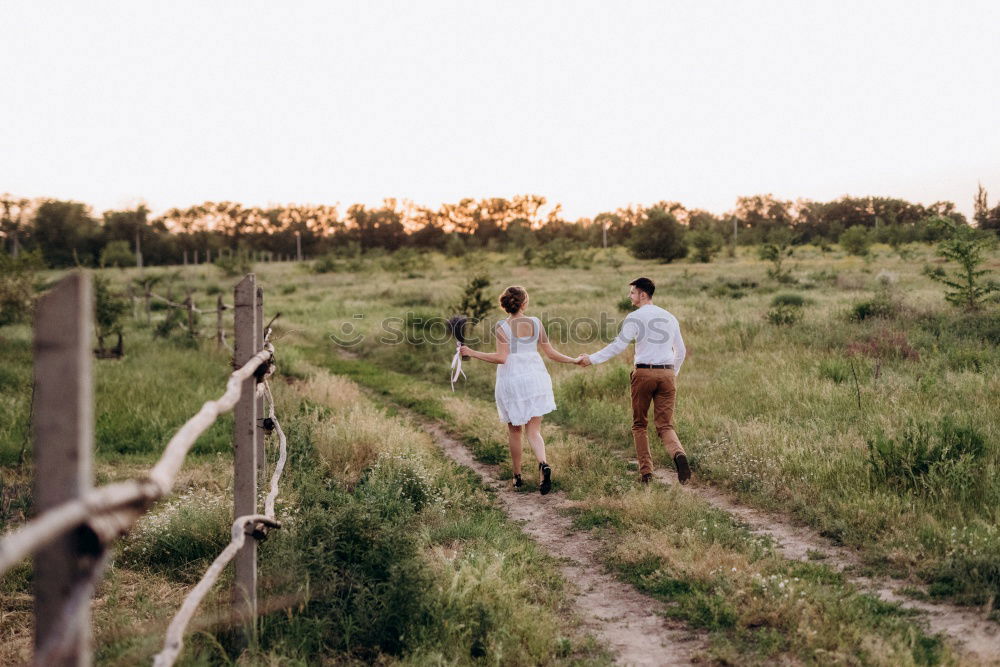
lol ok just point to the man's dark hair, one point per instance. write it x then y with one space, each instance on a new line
644 284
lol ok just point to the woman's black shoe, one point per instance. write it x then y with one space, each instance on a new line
546 484
517 482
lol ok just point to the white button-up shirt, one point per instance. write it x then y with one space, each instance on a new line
657 337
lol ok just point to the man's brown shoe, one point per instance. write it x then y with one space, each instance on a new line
683 470
646 477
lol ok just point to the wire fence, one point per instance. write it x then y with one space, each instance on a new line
76 525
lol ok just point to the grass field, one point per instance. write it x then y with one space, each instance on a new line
870 417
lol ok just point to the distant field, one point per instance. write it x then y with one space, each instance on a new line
870 416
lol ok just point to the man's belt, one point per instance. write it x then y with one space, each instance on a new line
668 367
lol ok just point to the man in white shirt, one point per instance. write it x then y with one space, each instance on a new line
659 353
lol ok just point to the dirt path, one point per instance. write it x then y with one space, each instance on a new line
978 637
620 617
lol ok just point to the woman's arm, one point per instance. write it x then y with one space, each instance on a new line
498 357
551 352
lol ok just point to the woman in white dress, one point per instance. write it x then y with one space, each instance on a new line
524 388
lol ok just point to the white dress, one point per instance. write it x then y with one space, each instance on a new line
524 388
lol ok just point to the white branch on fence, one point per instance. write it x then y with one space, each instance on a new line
174 640
282 454
30 537
175 632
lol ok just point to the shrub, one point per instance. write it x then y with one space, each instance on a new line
788 299
905 461
404 260
777 248
234 263
325 263
786 309
784 314
733 289
109 309
881 306
856 240
625 305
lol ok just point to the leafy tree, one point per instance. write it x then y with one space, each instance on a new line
856 240
965 247
66 234
761 215
986 217
474 303
17 286
704 244
13 219
660 237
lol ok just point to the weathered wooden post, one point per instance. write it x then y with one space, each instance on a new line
259 431
63 425
219 332
245 449
189 304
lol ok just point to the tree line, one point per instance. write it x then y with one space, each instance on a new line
66 233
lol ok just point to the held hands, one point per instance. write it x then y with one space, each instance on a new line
583 361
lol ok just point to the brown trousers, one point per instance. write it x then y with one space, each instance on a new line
654 385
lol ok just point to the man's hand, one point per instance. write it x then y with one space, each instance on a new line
583 360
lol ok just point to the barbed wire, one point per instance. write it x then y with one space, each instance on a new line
174 640
110 510
184 306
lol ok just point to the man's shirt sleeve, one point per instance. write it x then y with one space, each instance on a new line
630 329
679 350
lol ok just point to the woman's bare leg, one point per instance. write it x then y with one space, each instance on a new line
534 428
514 441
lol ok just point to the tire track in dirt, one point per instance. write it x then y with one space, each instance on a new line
974 634
620 617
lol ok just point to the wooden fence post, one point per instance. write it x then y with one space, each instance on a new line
259 430
189 303
219 333
245 449
63 424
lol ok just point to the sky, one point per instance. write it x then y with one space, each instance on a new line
594 105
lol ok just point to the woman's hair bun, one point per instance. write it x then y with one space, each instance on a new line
513 299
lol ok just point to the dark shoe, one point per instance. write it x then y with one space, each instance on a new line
546 484
683 470
646 477
517 482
